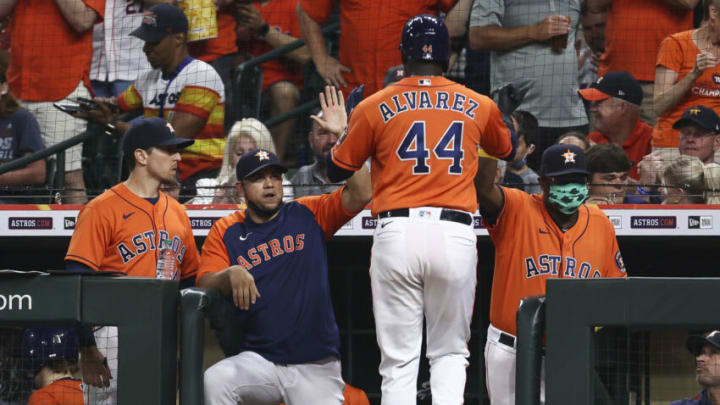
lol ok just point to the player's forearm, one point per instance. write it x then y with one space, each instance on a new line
77 13
276 39
488 195
312 32
358 192
6 7
186 125
216 281
495 38
34 173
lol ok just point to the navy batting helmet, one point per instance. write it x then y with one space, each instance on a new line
425 38
40 345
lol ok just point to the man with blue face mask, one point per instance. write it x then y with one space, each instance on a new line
536 237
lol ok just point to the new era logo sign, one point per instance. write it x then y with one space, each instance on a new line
700 222
69 222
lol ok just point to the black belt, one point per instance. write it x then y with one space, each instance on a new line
506 339
446 215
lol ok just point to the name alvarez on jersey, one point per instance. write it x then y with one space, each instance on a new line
423 100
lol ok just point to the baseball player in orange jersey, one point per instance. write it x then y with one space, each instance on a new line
50 358
537 237
126 228
422 134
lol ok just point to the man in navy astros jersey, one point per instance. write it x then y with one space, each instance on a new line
271 258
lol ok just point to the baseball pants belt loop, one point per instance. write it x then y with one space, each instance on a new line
446 215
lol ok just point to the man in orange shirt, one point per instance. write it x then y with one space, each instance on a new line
50 356
273 24
422 135
615 112
537 237
368 39
634 31
51 51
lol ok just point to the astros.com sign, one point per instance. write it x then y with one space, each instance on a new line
15 302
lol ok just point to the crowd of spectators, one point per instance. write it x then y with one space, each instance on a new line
639 65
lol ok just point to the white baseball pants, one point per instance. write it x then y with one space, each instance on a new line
250 379
423 266
500 363
106 340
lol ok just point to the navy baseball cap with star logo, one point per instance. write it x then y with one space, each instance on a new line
695 343
619 84
256 160
701 116
160 21
562 159
152 132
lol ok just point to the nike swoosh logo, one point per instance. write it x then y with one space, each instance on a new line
386 223
541 231
126 216
245 238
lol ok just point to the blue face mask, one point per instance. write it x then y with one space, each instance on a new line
568 197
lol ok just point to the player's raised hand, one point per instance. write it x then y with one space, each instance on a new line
244 291
331 70
94 367
334 117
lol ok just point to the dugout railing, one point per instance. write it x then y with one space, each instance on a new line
573 311
145 312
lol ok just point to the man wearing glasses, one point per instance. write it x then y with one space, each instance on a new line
536 237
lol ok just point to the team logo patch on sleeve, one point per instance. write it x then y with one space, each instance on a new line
619 262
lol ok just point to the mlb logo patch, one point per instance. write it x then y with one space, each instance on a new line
716 78
425 82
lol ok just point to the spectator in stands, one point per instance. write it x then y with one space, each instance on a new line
51 50
117 56
240 140
575 138
19 136
699 129
593 29
688 181
687 74
634 31
706 349
609 170
328 125
529 42
456 21
185 91
379 23
615 113
221 52
526 130
273 24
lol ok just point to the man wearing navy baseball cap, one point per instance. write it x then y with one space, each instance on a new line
271 261
615 101
185 91
706 349
538 237
699 133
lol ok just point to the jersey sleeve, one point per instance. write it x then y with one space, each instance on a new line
191 261
318 10
615 266
90 238
487 12
329 211
214 256
352 149
496 140
670 54
98 6
130 99
198 100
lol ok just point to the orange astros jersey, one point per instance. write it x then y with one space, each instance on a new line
61 392
530 248
423 134
120 231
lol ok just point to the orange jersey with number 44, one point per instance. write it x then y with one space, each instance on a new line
422 134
